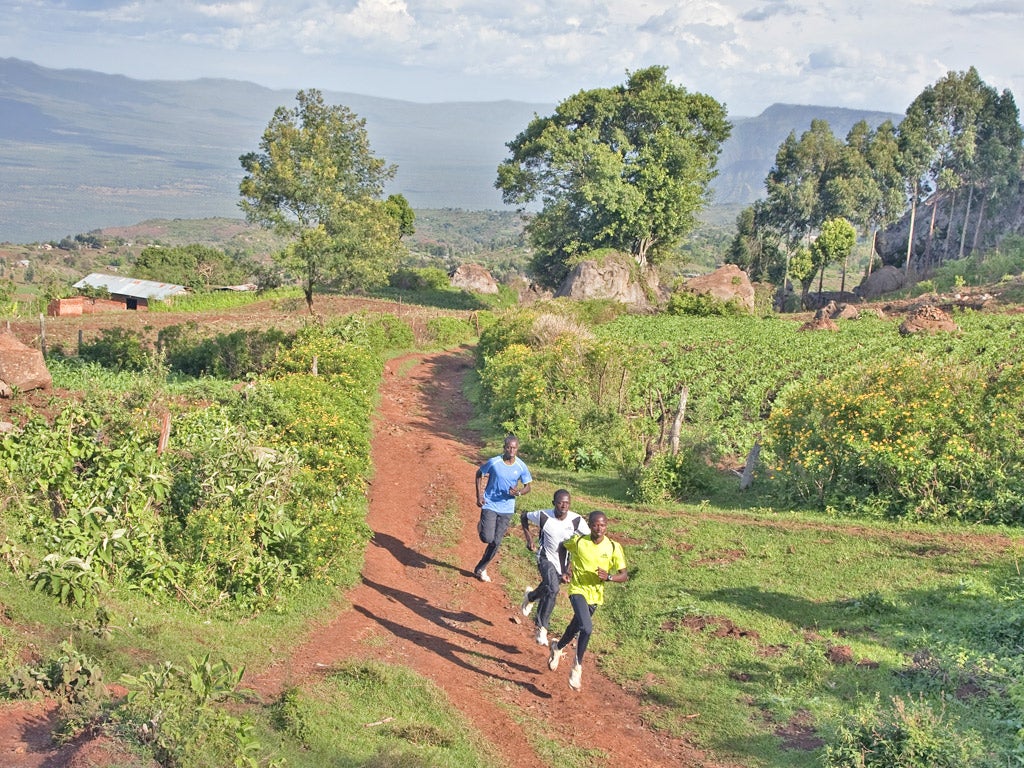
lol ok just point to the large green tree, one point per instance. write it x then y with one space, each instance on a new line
626 168
316 180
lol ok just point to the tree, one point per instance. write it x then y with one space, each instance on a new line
626 168
316 180
398 208
195 266
835 241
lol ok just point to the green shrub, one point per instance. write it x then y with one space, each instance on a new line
118 349
376 331
449 331
178 715
909 735
419 279
682 477
234 355
911 439
702 305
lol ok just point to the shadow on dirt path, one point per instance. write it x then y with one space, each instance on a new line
418 605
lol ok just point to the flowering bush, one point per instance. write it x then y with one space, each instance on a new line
910 439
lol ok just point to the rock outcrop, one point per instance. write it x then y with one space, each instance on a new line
727 283
21 368
614 277
473 278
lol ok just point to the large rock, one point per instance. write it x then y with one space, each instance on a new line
884 280
727 283
473 278
21 368
614 277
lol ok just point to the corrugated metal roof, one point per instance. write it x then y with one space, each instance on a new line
129 286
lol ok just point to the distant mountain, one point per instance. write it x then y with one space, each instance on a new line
82 150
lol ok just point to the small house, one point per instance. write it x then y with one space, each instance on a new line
126 293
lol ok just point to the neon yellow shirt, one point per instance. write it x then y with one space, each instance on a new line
587 557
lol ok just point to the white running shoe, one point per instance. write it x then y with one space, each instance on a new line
555 656
542 636
482 575
527 605
576 677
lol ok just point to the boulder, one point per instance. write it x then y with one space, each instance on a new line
473 278
883 280
614 277
727 283
21 368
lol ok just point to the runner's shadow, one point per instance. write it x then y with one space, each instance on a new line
435 615
454 653
407 556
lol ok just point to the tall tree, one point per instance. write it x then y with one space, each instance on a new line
316 180
626 168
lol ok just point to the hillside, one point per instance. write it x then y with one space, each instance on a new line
83 150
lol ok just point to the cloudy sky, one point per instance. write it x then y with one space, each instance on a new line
749 54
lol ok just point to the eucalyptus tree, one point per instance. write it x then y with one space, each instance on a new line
1000 159
316 181
959 133
796 201
626 168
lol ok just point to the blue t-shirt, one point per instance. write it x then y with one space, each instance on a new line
502 478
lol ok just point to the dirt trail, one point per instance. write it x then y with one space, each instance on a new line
437 619
418 605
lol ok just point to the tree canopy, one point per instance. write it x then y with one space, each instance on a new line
197 267
626 168
959 140
316 180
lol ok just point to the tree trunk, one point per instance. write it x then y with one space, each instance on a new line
910 235
931 235
871 253
967 216
748 469
677 423
977 228
949 225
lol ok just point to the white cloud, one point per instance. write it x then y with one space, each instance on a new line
748 53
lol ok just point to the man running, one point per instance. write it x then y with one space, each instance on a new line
499 481
596 559
555 526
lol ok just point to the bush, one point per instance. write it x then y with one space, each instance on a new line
911 439
117 349
234 355
449 331
702 305
685 476
377 332
910 735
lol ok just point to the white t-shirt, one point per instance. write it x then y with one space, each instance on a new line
555 531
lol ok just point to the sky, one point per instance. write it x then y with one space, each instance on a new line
747 54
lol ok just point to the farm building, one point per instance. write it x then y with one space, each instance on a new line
125 293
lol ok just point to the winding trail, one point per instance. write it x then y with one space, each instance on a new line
418 595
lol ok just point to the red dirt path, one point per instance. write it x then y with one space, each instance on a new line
419 606
435 617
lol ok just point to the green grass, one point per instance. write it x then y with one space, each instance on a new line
739 625
372 714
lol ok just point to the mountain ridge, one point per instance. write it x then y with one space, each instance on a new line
81 150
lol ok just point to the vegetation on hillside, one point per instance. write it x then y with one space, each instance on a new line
959 147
